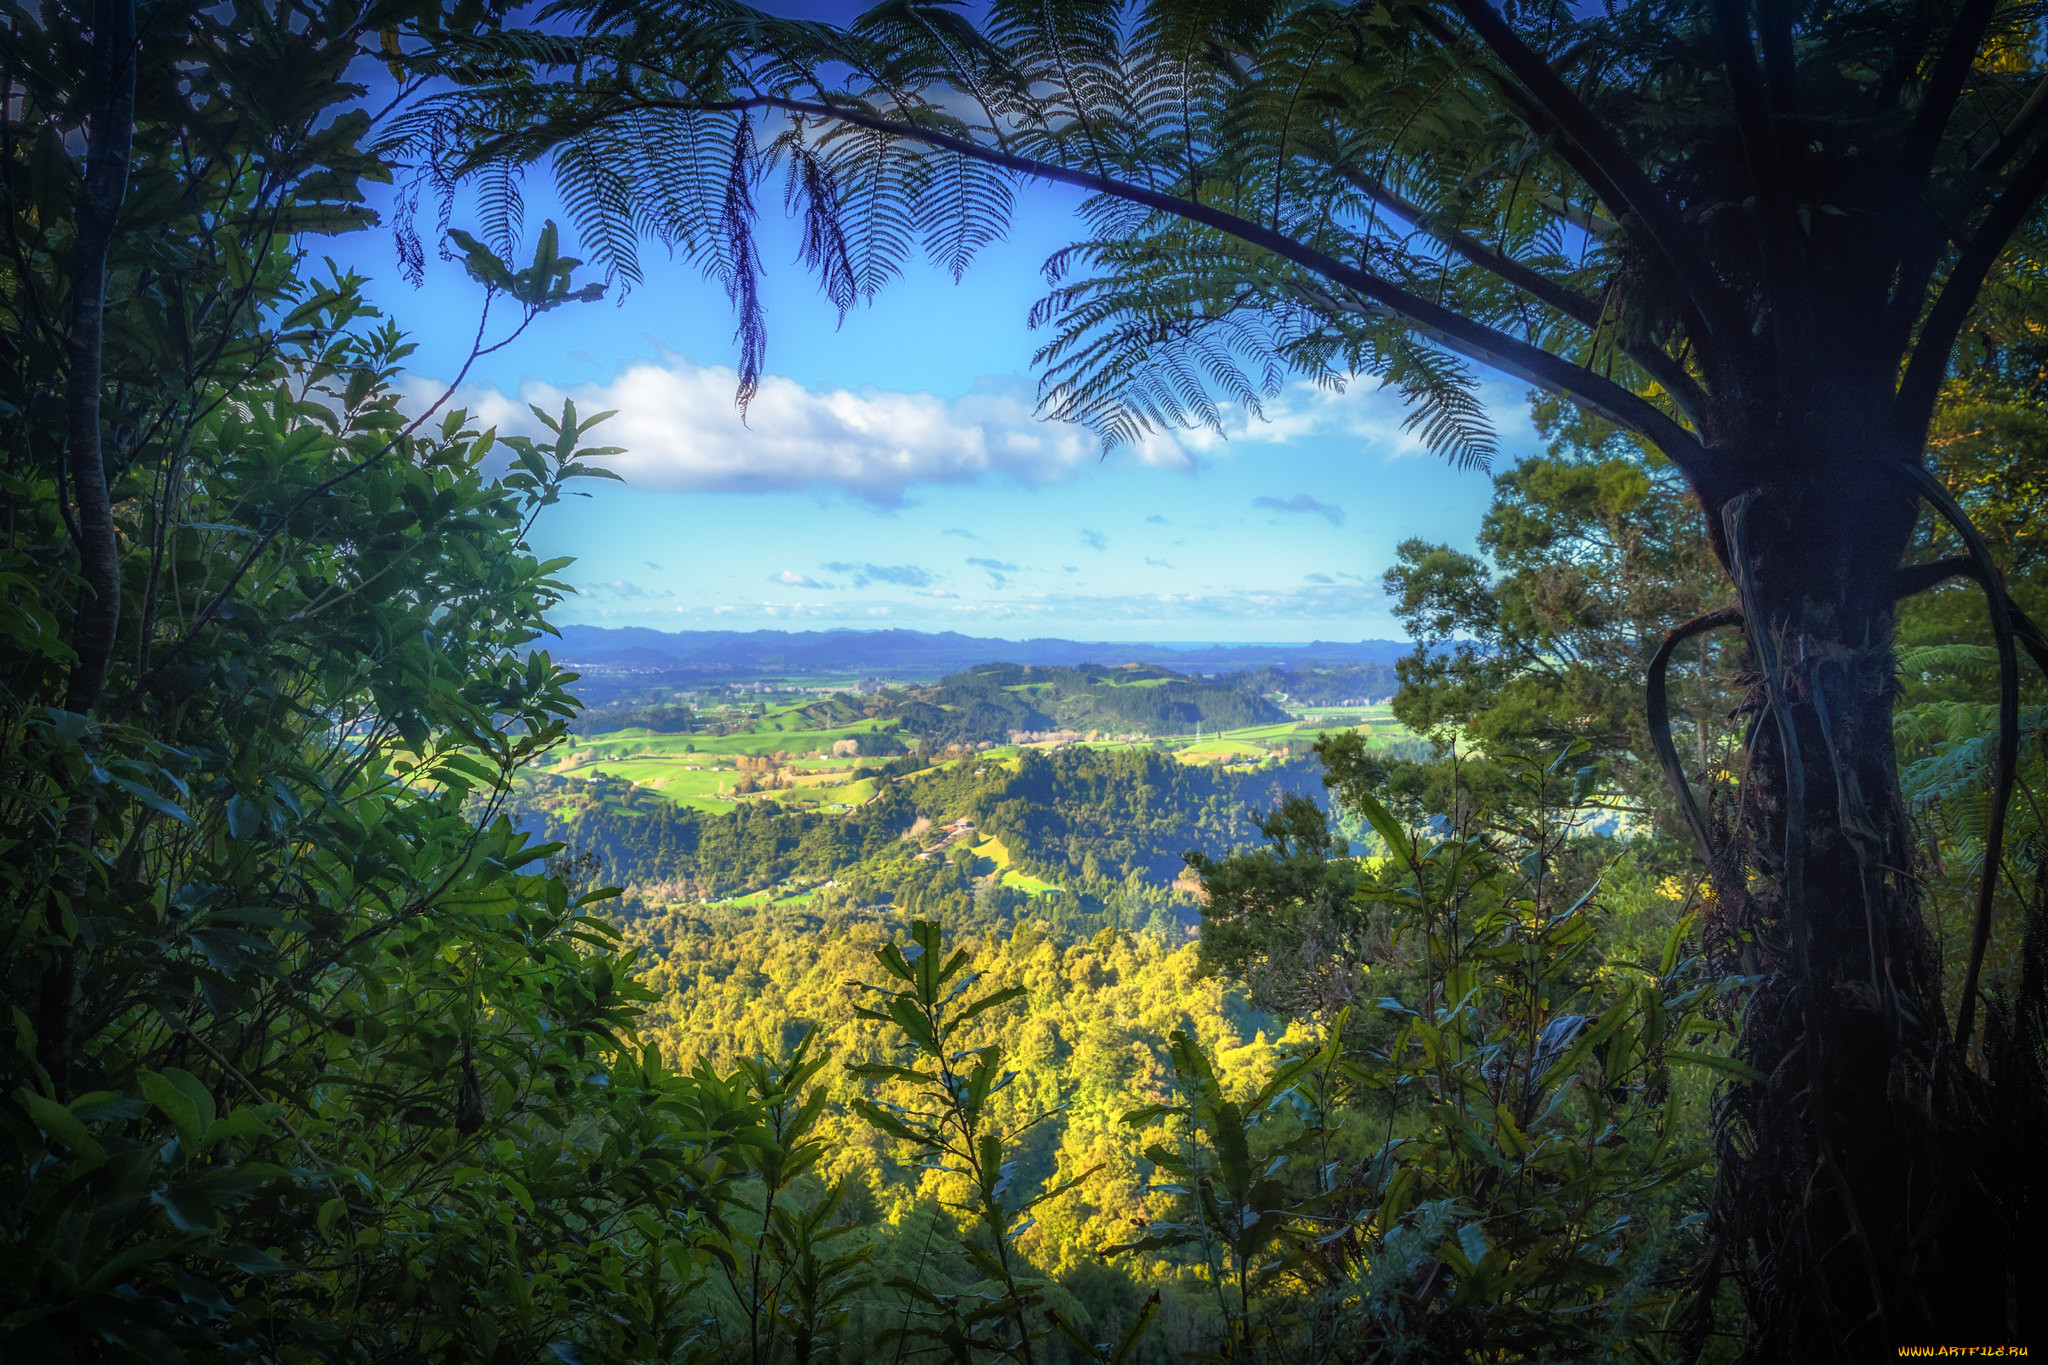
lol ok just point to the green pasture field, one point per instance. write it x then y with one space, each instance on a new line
1253 734
997 853
694 769
855 793
993 850
1225 750
1344 715
711 788
1251 742
770 733
671 778
699 771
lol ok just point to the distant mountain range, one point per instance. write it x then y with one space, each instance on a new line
914 653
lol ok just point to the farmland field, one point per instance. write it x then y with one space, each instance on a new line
702 769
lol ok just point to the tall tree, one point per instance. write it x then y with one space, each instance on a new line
1748 233
1588 556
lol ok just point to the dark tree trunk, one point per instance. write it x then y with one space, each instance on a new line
98 613
96 617
1868 1185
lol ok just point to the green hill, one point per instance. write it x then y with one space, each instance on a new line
991 702
1095 829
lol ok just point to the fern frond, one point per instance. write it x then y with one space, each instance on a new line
600 204
965 205
1310 118
501 207
743 282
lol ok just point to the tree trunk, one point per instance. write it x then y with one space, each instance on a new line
98 612
96 616
1868 1185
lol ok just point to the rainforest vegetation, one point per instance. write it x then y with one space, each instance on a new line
1683 997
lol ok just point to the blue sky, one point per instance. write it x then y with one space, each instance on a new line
892 474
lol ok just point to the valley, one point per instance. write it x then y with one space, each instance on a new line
1068 790
770 846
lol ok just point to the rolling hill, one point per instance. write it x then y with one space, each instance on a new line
916 654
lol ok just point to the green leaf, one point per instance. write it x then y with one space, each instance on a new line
1046 1196
183 1100
1385 825
1674 942
876 1071
250 1261
1727 1066
61 1124
245 818
1507 1134
68 728
150 799
885 1122
243 1122
892 960
906 1015
1151 1241
988 1151
1138 1118
481 262
982 1261
24 1034
1135 1331
989 1002
1472 1240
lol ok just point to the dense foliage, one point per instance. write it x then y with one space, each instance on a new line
1587 558
1585 565
316 1054
1748 235
1442 1138
305 1061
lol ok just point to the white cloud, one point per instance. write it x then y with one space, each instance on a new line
1344 610
791 578
679 428
1362 412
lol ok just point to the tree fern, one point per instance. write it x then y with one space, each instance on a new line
965 206
1284 117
